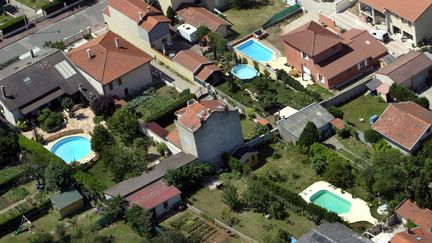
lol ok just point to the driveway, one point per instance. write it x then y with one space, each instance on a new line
347 20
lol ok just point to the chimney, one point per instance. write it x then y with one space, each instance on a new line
141 17
3 91
117 42
32 53
89 54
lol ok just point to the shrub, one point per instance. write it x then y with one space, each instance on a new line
103 106
382 145
250 114
189 176
43 237
336 112
229 217
261 130
49 119
124 124
23 125
170 14
230 197
139 219
371 136
98 119
202 31
161 148
309 136
8 146
55 44
58 177
67 103
101 138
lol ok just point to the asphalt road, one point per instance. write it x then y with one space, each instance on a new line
91 16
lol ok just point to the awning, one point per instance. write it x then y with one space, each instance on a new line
374 84
38 103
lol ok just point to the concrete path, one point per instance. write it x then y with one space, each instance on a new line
82 16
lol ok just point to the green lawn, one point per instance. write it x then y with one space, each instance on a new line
363 107
357 151
9 173
325 94
245 21
121 233
102 174
248 128
34 4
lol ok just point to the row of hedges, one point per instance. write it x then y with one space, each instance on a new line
10 225
167 112
13 24
40 154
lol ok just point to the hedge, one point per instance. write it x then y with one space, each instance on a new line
53 6
12 24
40 154
168 111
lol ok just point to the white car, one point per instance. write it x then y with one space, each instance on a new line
380 35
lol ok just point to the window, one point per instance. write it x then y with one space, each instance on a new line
362 64
305 56
110 86
165 204
321 78
119 82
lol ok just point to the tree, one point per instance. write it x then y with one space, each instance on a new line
116 207
139 220
170 14
400 94
277 210
339 174
217 43
261 84
309 136
161 148
103 106
202 31
261 130
67 103
230 197
124 124
336 112
60 233
189 176
42 237
371 136
58 177
423 101
232 84
101 138
9 147
125 162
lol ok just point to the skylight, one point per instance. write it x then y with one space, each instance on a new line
27 80
65 69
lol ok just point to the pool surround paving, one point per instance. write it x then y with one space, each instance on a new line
86 158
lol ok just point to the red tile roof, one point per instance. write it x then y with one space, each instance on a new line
408 9
338 123
192 115
312 38
157 129
108 62
200 65
198 16
132 8
174 138
406 66
153 195
420 216
404 123
413 236
262 121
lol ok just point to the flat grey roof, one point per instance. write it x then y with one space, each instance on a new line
373 84
30 82
131 185
64 199
332 233
315 113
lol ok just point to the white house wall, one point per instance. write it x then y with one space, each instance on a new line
96 85
11 116
160 209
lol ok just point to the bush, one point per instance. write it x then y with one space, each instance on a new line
89 181
189 176
229 217
8 146
261 130
161 148
43 237
371 136
101 138
98 119
12 24
58 177
124 124
336 112
49 119
401 94
139 220
67 103
230 197
202 31
55 44
309 135
250 114
103 106
52 6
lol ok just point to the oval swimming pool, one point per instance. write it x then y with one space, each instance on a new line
331 202
244 71
72 148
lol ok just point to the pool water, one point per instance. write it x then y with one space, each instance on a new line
256 51
331 202
72 148
244 71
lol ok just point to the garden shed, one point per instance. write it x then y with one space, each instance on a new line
67 202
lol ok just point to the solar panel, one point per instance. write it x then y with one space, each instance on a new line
65 69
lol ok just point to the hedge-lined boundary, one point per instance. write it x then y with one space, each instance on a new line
12 24
168 111
40 154
31 214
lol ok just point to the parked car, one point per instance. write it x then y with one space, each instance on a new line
380 35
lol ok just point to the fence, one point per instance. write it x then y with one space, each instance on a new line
64 8
78 36
286 13
263 138
221 224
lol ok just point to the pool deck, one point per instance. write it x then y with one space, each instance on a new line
359 211
85 159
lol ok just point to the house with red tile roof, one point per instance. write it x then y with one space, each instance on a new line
112 65
203 70
207 129
416 235
157 197
199 16
139 23
408 19
405 125
329 59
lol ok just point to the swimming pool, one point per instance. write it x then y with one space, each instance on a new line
256 51
72 148
244 71
331 202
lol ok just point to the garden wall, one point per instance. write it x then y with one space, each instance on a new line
173 65
348 94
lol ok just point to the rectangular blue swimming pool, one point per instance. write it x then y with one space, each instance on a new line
256 51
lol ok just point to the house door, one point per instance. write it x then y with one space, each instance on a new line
126 92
